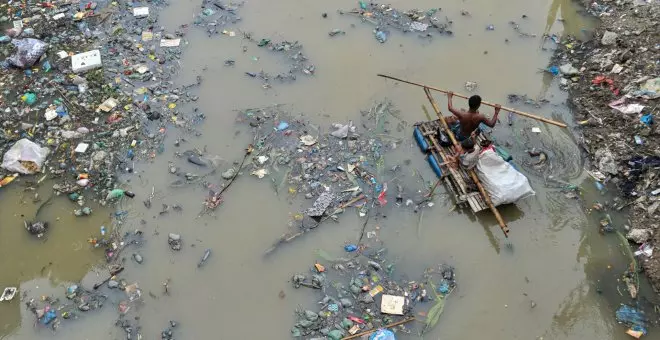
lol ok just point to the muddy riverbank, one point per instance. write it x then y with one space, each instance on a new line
556 277
614 86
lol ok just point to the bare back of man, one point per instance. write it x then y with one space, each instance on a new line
469 120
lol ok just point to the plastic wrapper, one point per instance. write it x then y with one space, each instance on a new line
28 52
25 157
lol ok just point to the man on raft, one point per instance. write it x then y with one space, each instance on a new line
465 124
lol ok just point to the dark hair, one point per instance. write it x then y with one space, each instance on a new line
474 102
467 144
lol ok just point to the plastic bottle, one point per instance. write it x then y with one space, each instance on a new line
102 230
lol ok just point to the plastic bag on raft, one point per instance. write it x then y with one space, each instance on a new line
501 180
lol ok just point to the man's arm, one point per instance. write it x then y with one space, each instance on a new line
450 107
491 123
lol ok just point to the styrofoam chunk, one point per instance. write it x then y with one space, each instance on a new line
141 12
86 61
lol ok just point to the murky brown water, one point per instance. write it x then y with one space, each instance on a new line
557 258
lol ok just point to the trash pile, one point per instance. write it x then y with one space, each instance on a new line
360 296
614 85
384 17
85 87
333 169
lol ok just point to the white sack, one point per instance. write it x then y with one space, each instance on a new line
28 152
501 180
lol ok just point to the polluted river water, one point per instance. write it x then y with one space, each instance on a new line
555 277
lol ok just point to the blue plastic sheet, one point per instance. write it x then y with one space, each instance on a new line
631 317
382 334
647 119
48 317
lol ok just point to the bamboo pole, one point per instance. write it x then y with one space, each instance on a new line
483 192
525 114
394 324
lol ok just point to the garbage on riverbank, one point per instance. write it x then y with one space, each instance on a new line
384 17
81 85
361 295
614 86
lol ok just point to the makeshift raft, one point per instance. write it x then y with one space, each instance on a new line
457 181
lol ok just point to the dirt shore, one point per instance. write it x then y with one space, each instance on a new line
613 83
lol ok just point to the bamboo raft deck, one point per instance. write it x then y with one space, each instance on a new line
456 180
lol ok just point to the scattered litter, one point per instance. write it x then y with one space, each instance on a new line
25 157
81 148
536 130
645 249
282 126
108 105
170 42
86 61
631 317
391 304
381 36
141 12
342 130
620 105
568 69
36 228
335 32
609 38
308 140
418 26
471 86
260 173
28 52
50 114
8 293
616 69
320 205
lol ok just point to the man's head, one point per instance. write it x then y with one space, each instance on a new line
468 145
474 102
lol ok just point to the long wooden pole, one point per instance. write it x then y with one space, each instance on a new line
525 114
394 324
483 192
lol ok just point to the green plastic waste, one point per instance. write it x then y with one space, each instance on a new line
115 193
335 334
346 323
263 42
29 98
